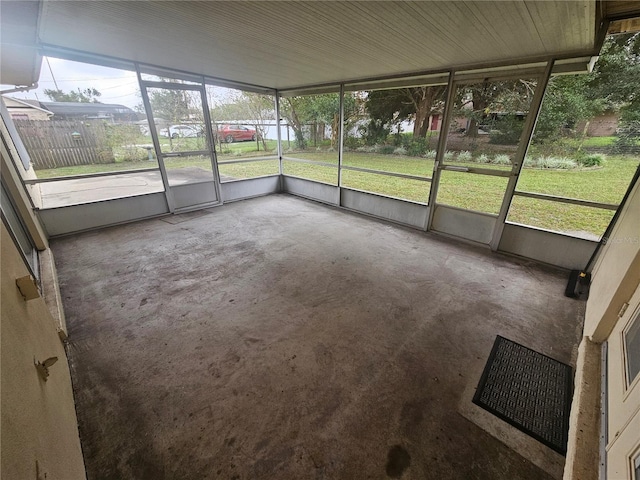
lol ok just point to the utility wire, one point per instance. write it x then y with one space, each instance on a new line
52 76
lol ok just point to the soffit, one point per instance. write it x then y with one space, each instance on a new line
19 57
297 43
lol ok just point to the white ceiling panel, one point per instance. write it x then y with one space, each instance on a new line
287 44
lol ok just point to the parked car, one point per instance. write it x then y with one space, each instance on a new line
236 133
186 131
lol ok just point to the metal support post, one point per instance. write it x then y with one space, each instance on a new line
156 142
442 145
518 161
340 144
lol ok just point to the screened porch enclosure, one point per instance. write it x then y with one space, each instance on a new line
320 144
287 234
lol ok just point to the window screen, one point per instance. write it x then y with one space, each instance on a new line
632 349
18 232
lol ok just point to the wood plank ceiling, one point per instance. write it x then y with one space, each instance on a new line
296 43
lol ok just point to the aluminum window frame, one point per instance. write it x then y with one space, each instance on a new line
634 322
541 73
213 82
439 78
17 230
147 69
491 70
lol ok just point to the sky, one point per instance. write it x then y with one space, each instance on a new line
116 86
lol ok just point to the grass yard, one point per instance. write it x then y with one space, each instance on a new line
231 151
594 142
250 170
483 193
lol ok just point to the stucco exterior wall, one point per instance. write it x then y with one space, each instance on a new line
39 429
617 272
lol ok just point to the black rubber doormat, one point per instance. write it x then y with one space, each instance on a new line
529 390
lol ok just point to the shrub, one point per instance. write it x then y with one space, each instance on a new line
508 131
530 162
430 154
592 160
628 134
557 163
483 159
400 151
448 155
366 149
502 159
374 132
465 156
417 148
352 143
386 149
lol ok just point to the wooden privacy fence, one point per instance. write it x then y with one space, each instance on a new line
64 143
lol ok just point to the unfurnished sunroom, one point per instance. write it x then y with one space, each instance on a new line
292 239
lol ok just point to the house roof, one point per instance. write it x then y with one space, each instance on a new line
289 44
30 104
82 109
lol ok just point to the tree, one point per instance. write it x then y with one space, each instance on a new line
611 86
289 109
254 108
317 111
88 95
480 101
616 75
565 105
173 105
261 109
390 107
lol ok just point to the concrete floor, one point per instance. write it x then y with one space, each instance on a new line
95 189
277 338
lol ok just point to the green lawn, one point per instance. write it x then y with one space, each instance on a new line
250 170
595 141
230 151
483 193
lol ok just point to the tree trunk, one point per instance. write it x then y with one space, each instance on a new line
263 139
335 129
421 124
424 100
481 98
296 125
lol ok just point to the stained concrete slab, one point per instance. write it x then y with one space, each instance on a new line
280 338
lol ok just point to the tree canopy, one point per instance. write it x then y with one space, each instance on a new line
570 99
611 86
317 111
391 107
87 95
174 105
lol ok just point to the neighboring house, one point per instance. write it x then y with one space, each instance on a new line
90 111
26 109
604 125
